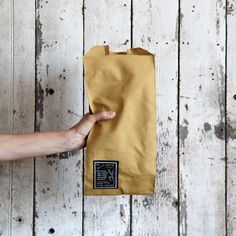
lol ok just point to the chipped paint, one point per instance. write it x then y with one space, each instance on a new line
165 193
122 213
178 23
78 164
186 106
231 132
220 131
38 31
73 113
207 126
39 104
221 92
218 24
63 155
49 91
175 203
126 41
230 9
185 122
183 216
177 28
148 202
162 170
200 88
74 213
39 93
47 68
181 18
183 132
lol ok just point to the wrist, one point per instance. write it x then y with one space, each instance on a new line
74 140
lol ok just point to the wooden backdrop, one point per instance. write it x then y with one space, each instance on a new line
42 88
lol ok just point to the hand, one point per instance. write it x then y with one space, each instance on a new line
78 133
19 146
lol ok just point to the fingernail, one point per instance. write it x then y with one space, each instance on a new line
111 113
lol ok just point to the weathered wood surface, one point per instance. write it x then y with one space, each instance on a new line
42 88
158 214
59 105
231 118
202 118
6 107
6 80
17 112
106 215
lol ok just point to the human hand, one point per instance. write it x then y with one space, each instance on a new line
78 133
19 146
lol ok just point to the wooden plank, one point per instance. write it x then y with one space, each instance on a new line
202 117
107 22
23 114
6 107
59 105
231 118
158 32
17 79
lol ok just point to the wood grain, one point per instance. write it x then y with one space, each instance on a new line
231 119
158 32
22 183
17 113
59 105
107 22
41 57
202 117
6 108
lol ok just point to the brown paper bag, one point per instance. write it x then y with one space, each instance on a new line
121 153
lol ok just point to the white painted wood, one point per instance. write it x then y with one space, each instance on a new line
23 114
6 105
59 196
231 119
202 145
157 31
107 22
17 113
59 179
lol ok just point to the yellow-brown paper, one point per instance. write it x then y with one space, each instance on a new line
121 153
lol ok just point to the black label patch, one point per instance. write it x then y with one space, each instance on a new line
105 174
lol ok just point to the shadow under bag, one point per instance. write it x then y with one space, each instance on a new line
121 152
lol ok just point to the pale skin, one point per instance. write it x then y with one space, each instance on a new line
20 146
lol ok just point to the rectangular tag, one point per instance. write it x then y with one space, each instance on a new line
105 174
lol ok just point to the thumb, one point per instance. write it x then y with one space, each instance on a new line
84 126
104 115
87 122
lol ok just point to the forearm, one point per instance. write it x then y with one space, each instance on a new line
18 146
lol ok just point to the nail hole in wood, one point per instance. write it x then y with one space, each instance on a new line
51 91
19 219
51 231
